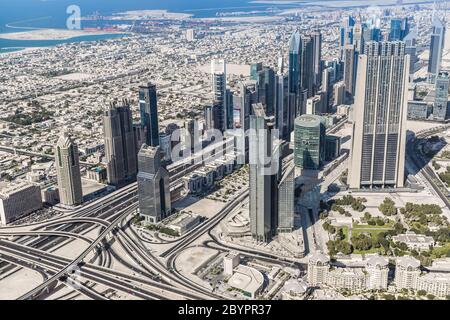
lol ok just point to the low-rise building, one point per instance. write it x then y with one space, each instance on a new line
184 223
247 279
18 199
414 241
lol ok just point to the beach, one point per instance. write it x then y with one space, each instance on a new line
49 34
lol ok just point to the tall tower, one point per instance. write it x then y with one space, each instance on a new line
307 66
377 156
153 185
120 144
219 87
350 67
440 107
283 116
294 72
436 49
68 171
317 59
346 34
263 176
148 106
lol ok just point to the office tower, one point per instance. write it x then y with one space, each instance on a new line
358 37
263 176
148 107
286 200
248 96
350 67
165 143
120 147
266 89
327 93
314 105
346 34
411 48
317 59
379 127
139 136
68 171
192 133
229 124
283 116
332 147
307 66
436 49
309 142
395 33
214 116
339 93
294 71
255 68
153 185
219 87
440 107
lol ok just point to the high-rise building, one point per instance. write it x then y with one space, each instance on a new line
314 105
440 107
153 185
266 89
377 271
407 272
120 147
395 33
284 117
379 128
346 34
317 59
307 66
339 93
358 37
214 116
264 166
309 142
436 49
219 87
68 171
411 48
318 265
286 200
294 71
327 92
350 67
148 106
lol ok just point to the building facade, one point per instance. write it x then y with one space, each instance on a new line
377 156
148 106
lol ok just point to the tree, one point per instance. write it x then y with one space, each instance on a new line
431 296
362 242
421 292
388 207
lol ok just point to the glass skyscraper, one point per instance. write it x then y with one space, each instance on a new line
148 107
309 142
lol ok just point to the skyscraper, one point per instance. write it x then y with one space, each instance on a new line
283 116
309 142
148 106
317 59
379 129
307 67
411 48
120 144
440 107
68 171
266 89
346 34
286 200
350 67
294 71
436 49
395 33
219 87
153 185
263 176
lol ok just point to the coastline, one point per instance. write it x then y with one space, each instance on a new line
51 34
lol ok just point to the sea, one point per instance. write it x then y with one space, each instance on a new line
25 15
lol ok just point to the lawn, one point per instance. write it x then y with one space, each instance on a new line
373 231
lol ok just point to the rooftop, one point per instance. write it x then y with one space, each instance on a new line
247 279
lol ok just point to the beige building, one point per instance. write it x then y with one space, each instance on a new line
318 266
68 171
18 199
230 261
377 270
377 157
407 271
